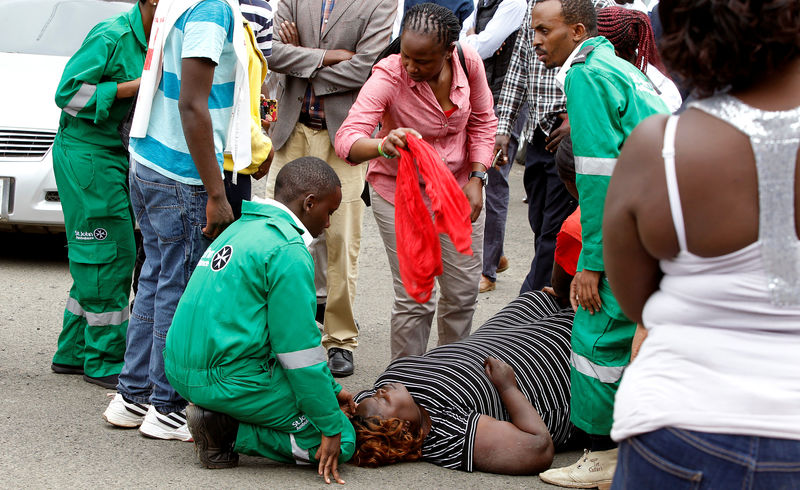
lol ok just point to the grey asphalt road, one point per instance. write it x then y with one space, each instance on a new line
52 434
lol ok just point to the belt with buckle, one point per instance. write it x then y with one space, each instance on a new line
312 122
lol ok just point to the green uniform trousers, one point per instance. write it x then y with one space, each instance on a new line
261 399
601 349
93 186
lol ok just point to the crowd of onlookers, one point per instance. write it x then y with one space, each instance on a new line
659 321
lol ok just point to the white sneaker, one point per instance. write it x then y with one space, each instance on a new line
124 414
165 426
593 470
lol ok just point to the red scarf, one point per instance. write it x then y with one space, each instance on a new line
418 250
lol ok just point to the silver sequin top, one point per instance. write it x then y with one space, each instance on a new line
775 137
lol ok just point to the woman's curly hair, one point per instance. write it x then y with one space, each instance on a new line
385 441
718 44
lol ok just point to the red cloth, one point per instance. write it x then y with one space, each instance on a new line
568 243
418 250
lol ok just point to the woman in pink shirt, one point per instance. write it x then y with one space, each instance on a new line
425 91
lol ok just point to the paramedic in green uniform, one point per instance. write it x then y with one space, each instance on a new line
244 345
606 98
91 169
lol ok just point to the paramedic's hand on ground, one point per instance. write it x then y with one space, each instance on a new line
346 402
557 134
501 143
218 216
264 168
584 291
397 139
473 189
328 457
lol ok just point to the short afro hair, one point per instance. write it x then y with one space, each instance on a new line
580 12
305 175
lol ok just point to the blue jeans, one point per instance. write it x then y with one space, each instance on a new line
496 205
678 459
171 216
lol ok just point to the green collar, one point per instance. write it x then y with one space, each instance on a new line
135 20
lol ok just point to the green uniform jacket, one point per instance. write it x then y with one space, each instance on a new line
249 309
112 52
607 97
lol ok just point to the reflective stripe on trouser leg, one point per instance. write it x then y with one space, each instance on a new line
92 184
292 445
601 349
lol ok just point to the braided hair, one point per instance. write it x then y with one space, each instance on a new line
430 18
631 34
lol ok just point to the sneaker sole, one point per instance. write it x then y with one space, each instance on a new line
151 432
601 485
195 421
124 424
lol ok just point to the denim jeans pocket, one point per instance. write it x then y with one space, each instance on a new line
163 208
645 465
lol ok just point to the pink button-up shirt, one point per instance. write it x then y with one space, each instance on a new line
389 96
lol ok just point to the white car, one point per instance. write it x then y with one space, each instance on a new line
37 37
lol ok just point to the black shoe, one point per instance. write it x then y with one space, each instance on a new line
214 436
320 316
66 368
109 382
340 362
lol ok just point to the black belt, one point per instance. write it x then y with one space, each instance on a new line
312 122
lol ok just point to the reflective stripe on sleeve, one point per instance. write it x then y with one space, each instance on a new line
80 99
604 374
595 166
303 358
300 455
98 319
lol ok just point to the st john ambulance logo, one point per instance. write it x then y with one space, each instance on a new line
100 233
221 258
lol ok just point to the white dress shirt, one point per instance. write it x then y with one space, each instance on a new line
507 19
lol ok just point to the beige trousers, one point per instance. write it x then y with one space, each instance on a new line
336 251
458 289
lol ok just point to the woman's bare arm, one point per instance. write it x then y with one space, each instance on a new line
520 447
633 273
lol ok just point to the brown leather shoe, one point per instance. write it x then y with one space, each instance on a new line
214 436
502 264
486 285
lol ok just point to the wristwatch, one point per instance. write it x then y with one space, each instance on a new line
481 175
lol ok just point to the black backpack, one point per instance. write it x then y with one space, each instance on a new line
394 48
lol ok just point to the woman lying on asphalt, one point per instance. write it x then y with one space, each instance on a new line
497 401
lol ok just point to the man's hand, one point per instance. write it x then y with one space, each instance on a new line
288 33
128 89
501 144
397 139
473 189
263 169
333 56
346 402
500 374
584 292
328 457
557 134
218 216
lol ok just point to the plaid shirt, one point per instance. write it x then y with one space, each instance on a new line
528 77
312 105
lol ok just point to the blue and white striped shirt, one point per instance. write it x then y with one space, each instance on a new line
259 14
203 31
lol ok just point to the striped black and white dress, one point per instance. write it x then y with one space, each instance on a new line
532 334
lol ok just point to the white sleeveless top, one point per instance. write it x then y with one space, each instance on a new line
722 353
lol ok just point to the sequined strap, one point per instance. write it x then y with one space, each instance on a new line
774 137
